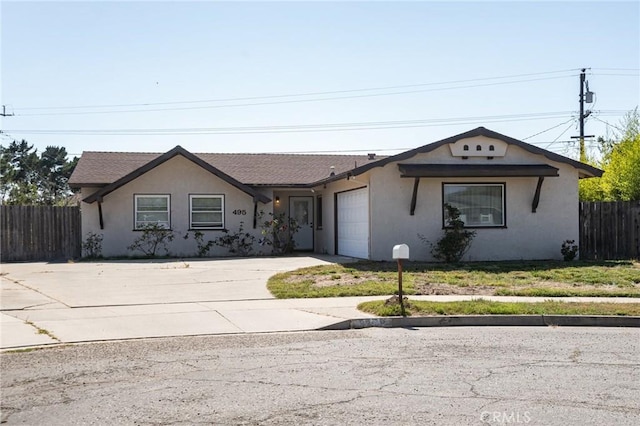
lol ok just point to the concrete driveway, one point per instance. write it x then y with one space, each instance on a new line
48 303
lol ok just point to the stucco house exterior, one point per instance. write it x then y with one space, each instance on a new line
521 200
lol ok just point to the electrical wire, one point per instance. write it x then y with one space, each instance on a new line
546 130
301 94
559 136
618 69
324 127
609 124
290 101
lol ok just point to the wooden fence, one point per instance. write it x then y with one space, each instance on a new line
44 233
610 230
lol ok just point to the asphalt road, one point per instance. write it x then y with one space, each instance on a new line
444 376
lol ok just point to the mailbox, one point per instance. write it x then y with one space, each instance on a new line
401 251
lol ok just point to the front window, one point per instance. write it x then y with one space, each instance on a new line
480 205
152 210
207 211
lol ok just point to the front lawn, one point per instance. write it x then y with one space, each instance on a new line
524 278
486 307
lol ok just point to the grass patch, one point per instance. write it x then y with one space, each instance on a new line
295 285
42 330
487 307
522 278
565 292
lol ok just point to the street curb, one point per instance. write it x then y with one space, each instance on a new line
488 320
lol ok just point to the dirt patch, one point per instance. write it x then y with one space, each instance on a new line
446 289
338 279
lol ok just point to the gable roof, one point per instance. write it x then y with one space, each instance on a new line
584 170
110 170
98 169
178 150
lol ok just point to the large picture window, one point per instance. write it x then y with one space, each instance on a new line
207 211
480 205
152 210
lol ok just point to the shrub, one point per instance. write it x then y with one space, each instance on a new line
456 240
202 247
278 231
92 246
239 242
569 250
153 238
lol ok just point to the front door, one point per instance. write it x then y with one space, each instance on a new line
301 209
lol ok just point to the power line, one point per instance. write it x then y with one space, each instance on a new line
559 136
300 94
607 123
618 69
546 130
619 75
292 100
371 125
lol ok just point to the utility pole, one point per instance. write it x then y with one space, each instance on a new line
588 98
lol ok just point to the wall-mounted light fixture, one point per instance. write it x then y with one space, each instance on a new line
277 201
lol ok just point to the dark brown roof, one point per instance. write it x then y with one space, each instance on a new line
178 150
102 168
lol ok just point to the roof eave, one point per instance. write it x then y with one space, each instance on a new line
178 150
588 171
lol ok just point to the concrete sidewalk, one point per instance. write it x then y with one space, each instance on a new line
46 304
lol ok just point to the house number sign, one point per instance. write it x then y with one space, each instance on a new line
239 212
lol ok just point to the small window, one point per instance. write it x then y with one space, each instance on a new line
206 211
465 148
319 212
480 205
478 147
492 148
152 210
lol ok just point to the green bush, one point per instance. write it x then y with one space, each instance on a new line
278 231
202 247
239 242
153 238
456 240
92 246
569 250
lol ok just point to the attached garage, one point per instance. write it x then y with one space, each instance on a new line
352 217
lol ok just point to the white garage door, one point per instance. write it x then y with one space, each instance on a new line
353 223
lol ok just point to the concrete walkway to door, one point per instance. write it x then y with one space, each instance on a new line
48 303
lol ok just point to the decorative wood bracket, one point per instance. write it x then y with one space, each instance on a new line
100 213
414 197
536 197
255 214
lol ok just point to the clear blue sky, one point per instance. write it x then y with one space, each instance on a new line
85 57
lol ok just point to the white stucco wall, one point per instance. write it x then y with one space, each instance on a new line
177 177
527 235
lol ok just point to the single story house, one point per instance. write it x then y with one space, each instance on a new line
521 200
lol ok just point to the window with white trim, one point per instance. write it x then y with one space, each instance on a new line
206 211
480 205
152 210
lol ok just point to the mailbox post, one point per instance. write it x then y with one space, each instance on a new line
400 251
